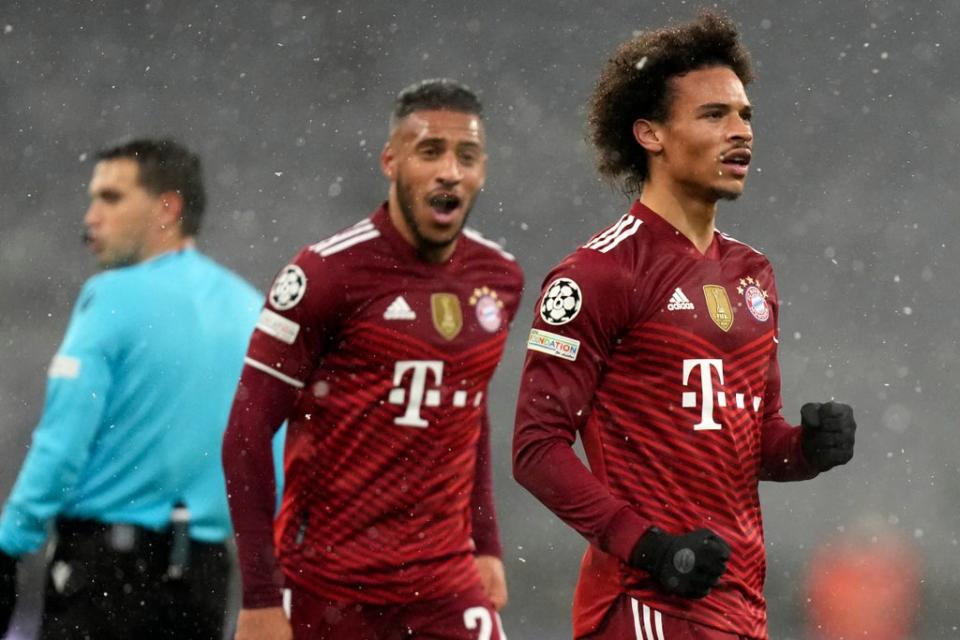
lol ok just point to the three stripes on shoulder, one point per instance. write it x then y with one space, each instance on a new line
614 235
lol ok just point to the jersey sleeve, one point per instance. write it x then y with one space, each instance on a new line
485 528
781 454
78 384
261 404
301 315
486 531
584 307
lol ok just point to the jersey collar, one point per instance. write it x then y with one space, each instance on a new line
669 237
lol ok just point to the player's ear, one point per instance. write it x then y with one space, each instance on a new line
647 135
170 209
388 161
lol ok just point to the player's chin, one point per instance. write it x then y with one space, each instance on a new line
728 193
105 260
443 237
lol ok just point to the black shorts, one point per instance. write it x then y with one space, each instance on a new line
112 581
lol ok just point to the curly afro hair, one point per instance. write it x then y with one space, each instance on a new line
635 84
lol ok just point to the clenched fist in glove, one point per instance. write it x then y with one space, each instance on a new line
688 565
828 434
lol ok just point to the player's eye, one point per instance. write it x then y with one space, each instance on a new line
429 152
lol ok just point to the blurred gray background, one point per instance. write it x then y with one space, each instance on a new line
853 195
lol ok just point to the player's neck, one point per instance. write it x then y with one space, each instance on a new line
691 216
166 243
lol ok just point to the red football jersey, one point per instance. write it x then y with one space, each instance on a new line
393 356
665 361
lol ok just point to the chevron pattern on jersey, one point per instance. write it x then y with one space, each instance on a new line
372 496
646 426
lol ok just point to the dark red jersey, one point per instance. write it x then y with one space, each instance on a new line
665 361
392 356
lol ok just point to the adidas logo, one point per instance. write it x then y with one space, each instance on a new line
399 310
679 302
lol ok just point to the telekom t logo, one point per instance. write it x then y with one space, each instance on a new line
707 367
417 395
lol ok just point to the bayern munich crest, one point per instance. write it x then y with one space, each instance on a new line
755 298
561 302
488 306
288 288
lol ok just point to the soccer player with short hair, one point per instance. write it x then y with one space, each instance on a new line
123 462
656 341
378 345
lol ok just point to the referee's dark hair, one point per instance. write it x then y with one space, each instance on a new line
635 84
438 94
166 165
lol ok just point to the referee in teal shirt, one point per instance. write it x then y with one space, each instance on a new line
125 462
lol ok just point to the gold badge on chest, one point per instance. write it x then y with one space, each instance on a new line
718 304
447 316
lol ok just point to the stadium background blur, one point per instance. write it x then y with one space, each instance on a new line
854 197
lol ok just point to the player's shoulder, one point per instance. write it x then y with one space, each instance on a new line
491 254
232 282
343 248
113 299
619 239
322 270
116 284
614 249
734 249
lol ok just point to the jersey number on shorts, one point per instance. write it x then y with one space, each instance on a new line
478 616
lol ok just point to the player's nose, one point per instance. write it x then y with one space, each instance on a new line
741 130
92 215
450 172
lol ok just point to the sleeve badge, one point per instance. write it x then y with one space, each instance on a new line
561 302
288 289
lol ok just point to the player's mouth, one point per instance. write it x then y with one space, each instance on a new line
736 162
92 243
444 206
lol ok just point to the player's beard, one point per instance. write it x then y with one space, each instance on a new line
406 199
722 194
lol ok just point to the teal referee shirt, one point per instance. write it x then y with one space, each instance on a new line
138 397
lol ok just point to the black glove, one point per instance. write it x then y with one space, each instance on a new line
828 434
688 565
8 590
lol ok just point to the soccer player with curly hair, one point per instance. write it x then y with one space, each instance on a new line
656 342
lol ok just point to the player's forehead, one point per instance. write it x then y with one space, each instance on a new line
708 86
452 126
116 174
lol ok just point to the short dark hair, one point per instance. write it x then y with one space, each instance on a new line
635 84
166 165
437 94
